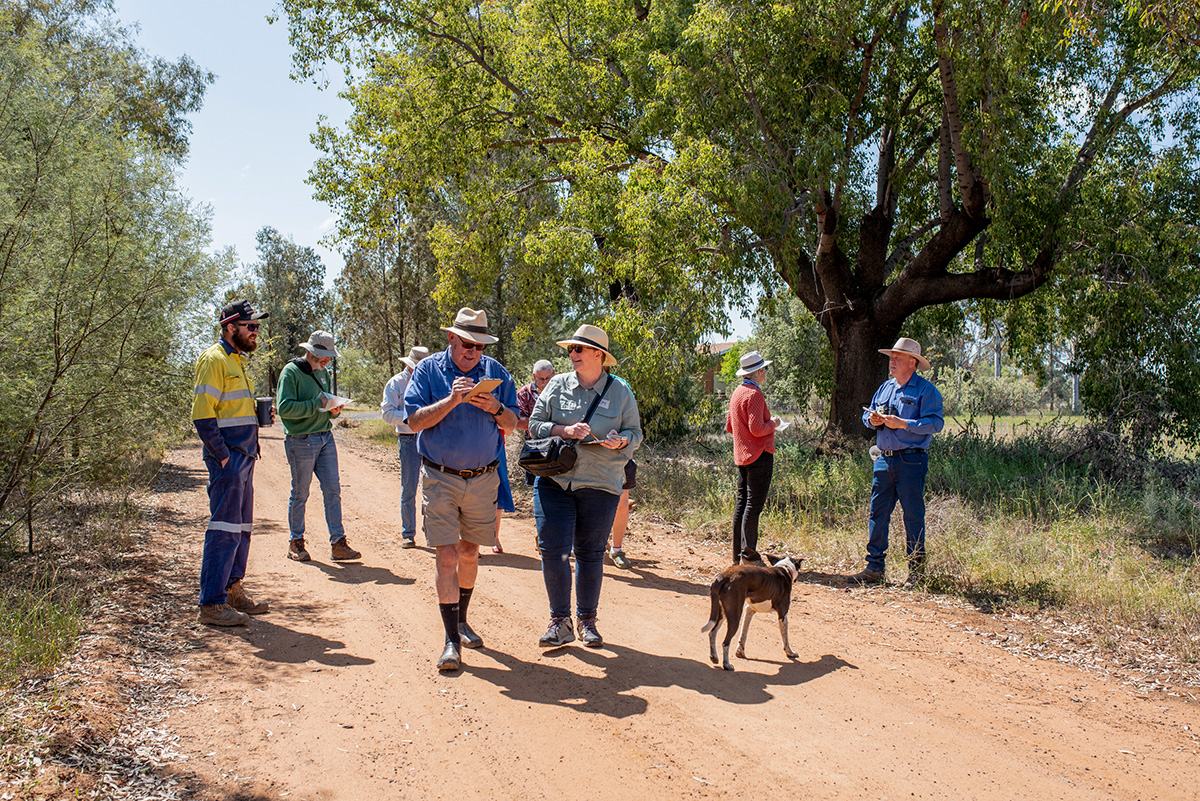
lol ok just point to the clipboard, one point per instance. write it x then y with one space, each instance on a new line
486 385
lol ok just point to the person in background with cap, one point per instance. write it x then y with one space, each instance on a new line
905 413
392 407
574 510
753 430
223 411
458 439
304 407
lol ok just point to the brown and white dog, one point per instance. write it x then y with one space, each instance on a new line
759 589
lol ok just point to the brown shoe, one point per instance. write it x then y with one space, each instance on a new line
222 615
242 602
867 576
296 550
342 551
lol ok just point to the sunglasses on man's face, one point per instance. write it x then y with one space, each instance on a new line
249 326
471 345
577 348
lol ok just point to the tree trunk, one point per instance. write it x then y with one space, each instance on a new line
858 370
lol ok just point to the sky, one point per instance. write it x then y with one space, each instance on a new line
250 150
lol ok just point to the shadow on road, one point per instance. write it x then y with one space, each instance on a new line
627 670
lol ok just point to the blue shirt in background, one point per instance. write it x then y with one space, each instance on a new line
467 438
918 402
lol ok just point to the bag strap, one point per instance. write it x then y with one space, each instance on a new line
306 368
597 399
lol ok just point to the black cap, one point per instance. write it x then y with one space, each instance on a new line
239 311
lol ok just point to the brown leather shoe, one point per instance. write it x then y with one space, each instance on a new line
342 551
296 550
866 576
222 615
242 602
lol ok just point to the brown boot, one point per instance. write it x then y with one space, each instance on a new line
866 576
242 602
342 551
296 550
222 615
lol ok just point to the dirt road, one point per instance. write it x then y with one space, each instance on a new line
334 694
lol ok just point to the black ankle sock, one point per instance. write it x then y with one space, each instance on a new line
464 600
450 622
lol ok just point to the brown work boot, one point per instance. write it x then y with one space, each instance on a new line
222 615
342 551
866 576
242 602
296 550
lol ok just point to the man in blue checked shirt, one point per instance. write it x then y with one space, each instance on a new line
905 413
458 439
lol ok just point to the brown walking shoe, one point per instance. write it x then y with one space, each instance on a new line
342 551
242 602
866 576
222 615
296 550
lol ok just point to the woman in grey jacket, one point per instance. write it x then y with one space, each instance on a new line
574 511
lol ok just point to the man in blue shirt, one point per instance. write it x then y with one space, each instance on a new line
458 438
906 412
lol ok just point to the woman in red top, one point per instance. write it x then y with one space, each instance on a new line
753 430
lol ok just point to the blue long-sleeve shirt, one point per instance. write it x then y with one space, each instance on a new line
918 403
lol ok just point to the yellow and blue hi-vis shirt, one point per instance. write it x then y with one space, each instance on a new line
223 407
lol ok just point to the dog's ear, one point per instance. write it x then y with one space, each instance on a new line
798 561
771 560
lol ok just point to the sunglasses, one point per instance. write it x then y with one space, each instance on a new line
578 348
470 345
249 326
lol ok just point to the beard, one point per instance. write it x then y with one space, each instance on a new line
242 340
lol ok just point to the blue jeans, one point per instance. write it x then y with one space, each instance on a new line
578 520
410 474
309 455
902 478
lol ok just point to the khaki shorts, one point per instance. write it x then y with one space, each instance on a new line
454 508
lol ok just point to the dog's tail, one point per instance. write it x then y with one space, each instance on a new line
714 616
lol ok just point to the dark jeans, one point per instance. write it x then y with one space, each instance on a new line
901 478
578 520
754 481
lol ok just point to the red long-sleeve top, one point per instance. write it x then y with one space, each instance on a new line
750 423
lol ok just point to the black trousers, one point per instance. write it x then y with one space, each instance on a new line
754 481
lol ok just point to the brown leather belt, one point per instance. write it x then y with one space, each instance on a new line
479 471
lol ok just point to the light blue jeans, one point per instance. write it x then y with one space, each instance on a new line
410 475
309 455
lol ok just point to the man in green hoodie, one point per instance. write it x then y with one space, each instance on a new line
305 407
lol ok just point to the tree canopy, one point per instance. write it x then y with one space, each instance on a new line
882 161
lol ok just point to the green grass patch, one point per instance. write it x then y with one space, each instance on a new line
1016 519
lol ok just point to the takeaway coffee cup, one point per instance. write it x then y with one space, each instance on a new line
263 407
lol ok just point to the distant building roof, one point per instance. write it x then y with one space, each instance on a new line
715 348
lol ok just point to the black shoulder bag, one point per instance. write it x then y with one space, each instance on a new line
552 456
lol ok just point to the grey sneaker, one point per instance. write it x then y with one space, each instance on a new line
560 632
588 633
408 542
620 560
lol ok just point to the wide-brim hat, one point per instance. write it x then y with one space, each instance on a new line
240 311
415 355
751 363
471 325
908 347
592 337
320 344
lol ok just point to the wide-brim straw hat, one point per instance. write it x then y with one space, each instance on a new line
320 344
592 337
471 325
415 355
751 363
908 347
